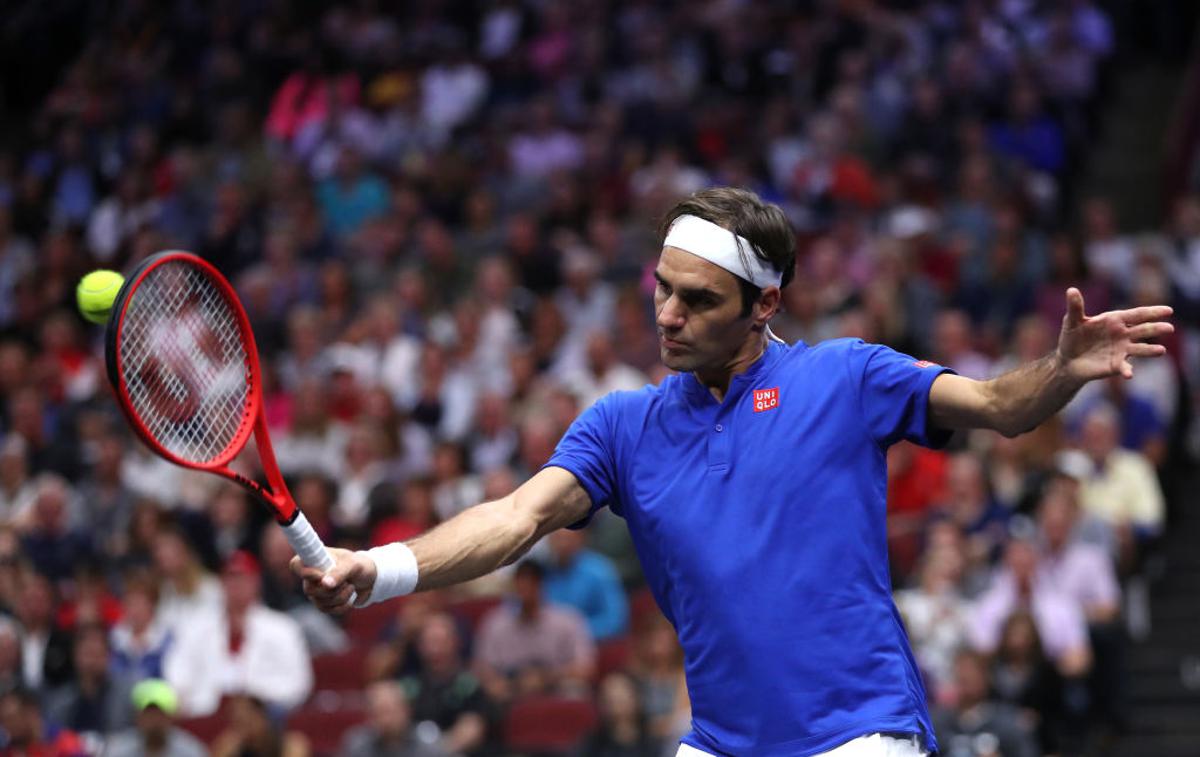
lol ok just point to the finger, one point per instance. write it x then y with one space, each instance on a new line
304 571
1126 369
1074 307
341 573
1135 316
1144 331
1138 349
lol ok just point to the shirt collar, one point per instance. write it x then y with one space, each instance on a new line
697 393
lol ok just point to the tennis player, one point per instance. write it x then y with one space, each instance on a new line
753 483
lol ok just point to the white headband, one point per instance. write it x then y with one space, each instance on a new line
719 246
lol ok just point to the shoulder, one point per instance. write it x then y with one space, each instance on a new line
564 618
184 744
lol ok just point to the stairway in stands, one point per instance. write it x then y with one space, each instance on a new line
1164 668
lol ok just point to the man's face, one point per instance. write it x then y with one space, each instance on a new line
697 307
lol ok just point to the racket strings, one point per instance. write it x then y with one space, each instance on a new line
185 363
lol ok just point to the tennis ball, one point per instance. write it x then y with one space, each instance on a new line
95 294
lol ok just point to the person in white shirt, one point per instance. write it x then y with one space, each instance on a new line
247 648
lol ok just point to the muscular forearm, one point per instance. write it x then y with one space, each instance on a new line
473 543
1024 397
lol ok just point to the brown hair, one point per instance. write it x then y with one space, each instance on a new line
741 211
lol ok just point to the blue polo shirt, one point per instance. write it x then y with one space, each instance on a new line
760 526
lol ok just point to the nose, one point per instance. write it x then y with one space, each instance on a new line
670 315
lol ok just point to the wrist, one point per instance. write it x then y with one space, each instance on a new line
395 571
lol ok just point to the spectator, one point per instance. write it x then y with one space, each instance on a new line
50 541
936 617
190 595
1122 488
658 670
45 649
444 692
154 734
1059 619
587 581
969 503
11 675
532 647
976 726
27 730
1023 678
622 731
246 648
139 642
94 701
388 728
252 732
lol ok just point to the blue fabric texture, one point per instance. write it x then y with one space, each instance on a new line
760 525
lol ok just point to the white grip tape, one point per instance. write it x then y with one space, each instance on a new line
308 546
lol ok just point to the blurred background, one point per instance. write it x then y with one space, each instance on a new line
440 216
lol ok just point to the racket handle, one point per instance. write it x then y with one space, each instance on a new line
309 547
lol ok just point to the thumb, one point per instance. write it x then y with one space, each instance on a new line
344 570
1075 314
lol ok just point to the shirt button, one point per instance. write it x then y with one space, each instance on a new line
720 428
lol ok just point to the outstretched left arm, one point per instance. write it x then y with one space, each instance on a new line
1088 348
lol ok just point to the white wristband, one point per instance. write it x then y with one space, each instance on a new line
395 572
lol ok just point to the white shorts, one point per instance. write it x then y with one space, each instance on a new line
875 745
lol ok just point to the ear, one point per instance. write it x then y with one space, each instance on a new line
767 306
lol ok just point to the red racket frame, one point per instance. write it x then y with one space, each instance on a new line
254 419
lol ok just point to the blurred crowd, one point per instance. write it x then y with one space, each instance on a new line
440 217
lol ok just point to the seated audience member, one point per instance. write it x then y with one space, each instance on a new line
252 732
154 733
658 672
970 505
27 731
1082 571
395 656
93 701
1024 678
444 692
49 540
622 730
45 649
975 724
580 578
1122 488
245 648
11 675
935 616
1017 586
139 642
527 646
1086 573
388 730
190 595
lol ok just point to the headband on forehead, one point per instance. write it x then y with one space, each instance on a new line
719 246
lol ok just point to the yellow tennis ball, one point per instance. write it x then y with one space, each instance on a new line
95 294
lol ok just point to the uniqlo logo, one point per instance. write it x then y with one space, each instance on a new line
923 363
766 399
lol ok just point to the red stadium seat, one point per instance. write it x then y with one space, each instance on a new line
345 671
642 607
473 610
325 727
208 727
612 655
542 725
366 624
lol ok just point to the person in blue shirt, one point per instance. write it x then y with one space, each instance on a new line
583 579
753 483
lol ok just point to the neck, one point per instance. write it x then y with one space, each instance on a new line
716 379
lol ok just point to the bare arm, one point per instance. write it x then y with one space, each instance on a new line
1088 348
471 544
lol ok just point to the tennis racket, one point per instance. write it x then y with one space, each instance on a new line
181 357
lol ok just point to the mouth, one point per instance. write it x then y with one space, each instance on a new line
671 344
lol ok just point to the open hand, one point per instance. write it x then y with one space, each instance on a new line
331 590
1092 347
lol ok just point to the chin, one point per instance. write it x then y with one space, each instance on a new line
676 362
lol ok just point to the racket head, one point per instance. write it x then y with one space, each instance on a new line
181 358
